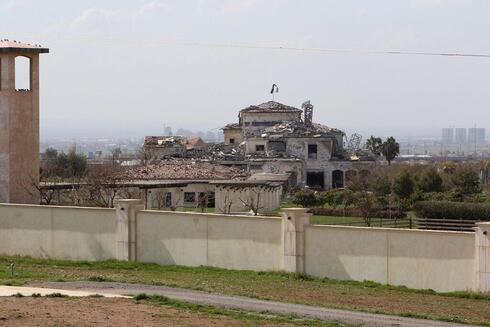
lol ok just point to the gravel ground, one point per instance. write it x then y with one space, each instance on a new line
248 304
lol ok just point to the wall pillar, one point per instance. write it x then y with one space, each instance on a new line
293 229
482 257
126 211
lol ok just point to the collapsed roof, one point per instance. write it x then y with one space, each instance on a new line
164 141
293 128
271 106
183 170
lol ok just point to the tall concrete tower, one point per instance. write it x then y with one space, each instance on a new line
19 123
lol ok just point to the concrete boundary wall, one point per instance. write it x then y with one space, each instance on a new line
443 261
69 233
193 239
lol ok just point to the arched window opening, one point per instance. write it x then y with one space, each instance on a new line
22 73
350 175
337 179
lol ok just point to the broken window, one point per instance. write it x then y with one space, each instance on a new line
190 197
315 180
312 151
22 73
260 148
232 141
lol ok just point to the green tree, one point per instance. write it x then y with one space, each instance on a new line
390 149
50 154
77 164
374 144
381 185
466 181
403 185
430 181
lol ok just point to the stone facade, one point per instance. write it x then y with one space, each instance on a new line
275 139
19 126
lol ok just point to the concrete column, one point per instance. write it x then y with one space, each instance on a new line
126 211
293 230
482 257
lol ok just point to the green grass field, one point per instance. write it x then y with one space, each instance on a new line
362 296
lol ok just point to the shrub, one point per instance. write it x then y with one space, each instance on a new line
354 212
452 210
335 198
305 198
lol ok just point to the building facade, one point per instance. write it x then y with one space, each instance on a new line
275 138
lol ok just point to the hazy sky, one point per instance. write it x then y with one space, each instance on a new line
116 67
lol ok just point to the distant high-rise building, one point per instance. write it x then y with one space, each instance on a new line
461 136
476 135
448 135
167 131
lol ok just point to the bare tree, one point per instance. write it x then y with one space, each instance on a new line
252 201
227 203
103 185
44 189
175 203
203 201
161 199
145 155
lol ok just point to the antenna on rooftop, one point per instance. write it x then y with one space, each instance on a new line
274 90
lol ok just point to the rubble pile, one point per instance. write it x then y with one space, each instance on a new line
164 141
271 106
183 170
226 152
300 128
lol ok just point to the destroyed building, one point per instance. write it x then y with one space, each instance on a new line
180 184
276 138
165 147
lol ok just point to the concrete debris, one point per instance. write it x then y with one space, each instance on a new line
271 106
183 170
300 128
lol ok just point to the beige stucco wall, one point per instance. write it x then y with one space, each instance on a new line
442 261
57 232
252 117
269 198
190 239
235 134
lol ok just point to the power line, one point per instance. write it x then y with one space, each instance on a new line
270 47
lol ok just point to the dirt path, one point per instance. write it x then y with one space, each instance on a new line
248 304
109 312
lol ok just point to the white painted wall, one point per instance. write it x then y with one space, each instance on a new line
192 239
57 232
442 261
